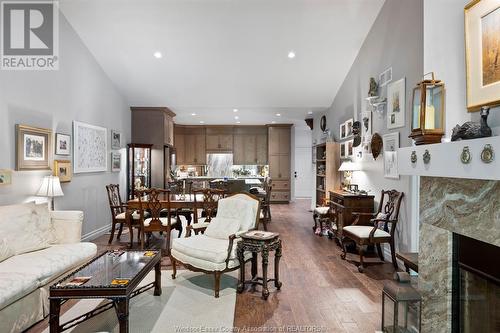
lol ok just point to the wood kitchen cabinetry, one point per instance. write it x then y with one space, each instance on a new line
219 139
279 140
190 143
250 146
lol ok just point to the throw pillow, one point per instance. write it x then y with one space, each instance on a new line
5 250
43 223
222 227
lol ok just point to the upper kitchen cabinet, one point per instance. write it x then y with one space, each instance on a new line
250 145
219 139
279 140
153 125
190 145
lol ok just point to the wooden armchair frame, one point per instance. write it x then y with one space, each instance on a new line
232 239
390 204
118 207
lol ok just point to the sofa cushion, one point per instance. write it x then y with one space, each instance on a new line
19 225
14 286
222 228
204 248
47 264
6 251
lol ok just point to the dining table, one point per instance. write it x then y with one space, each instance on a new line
176 201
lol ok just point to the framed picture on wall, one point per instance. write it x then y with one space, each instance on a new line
5 177
482 52
116 162
343 132
366 126
63 144
343 154
116 140
62 169
350 148
90 148
348 127
396 101
33 150
391 145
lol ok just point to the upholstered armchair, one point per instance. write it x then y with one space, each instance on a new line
381 230
214 252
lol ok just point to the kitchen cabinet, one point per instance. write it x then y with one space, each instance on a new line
219 139
250 146
190 145
279 140
169 131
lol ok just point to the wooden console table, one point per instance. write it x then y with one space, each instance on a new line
343 204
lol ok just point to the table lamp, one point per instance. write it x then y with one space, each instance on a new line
50 188
348 167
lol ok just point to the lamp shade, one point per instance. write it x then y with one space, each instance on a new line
349 166
51 187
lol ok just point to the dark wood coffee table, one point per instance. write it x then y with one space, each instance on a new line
104 271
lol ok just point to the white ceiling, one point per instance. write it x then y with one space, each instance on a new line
224 54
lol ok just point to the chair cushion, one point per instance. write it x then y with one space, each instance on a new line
362 231
381 216
122 216
222 228
321 210
163 220
204 248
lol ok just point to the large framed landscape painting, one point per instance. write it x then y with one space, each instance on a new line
482 43
90 148
33 148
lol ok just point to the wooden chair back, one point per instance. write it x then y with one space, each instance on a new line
175 187
219 185
155 201
390 204
115 200
209 204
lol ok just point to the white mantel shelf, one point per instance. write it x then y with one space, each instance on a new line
445 160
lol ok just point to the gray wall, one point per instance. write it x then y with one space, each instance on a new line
395 40
79 90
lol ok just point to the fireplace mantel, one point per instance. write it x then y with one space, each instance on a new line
445 160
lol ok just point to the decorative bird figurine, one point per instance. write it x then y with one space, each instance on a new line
473 130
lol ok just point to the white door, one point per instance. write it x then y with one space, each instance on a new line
303 172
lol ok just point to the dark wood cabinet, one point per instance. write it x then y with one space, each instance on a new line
250 145
343 204
190 145
279 140
219 139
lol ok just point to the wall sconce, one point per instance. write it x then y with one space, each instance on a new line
428 111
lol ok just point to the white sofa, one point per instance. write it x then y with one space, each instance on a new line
37 247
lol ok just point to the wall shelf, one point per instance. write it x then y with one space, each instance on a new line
445 160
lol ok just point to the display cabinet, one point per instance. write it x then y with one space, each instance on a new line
138 168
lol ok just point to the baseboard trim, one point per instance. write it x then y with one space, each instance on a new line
96 233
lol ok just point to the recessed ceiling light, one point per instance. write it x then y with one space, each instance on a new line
235 110
157 55
273 122
202 122
193 114
291 54
238 122
310 112
236 117
278 114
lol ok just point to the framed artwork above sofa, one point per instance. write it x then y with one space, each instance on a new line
33 148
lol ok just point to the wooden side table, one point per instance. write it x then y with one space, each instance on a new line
263 242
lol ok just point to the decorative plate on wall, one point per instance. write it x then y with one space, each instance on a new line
376 145
322 123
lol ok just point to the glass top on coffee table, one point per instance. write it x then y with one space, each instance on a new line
112 269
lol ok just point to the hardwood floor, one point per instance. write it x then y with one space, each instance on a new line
320 290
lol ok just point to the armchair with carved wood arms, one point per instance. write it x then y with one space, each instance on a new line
381 230
214 252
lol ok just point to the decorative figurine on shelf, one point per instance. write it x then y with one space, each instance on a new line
356 131
373 88
473 130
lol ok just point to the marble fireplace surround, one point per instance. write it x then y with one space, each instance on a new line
450 205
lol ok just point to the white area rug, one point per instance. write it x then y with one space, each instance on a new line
186 303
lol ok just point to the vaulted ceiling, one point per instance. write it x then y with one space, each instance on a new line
220 55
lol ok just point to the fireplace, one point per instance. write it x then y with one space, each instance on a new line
475 286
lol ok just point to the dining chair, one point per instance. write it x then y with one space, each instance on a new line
381 230
180 187
207 199
119 214
155 201
265 204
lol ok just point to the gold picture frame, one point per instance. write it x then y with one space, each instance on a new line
33 148
482 51
63 170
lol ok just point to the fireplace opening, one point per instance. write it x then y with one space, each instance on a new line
476 286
